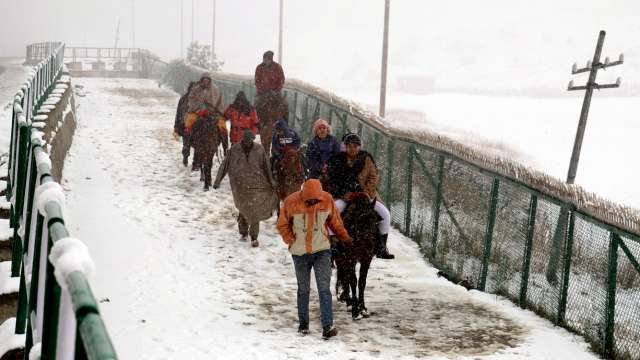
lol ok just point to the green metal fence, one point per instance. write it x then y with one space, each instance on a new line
62 318
500 233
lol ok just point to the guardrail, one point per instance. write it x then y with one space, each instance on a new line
56 308
555 249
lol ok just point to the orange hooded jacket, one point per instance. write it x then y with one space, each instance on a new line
304 228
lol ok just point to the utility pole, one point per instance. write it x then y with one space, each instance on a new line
280 33
193 16
117 34
182 29
133 23
592 67
563 219
385 52
213 31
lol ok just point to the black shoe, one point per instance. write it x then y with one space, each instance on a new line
303 329
382 252
329 332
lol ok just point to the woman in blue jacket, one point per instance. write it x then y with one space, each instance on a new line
320 149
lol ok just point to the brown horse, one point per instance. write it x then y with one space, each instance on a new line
205 139
361 221
289 173
270 107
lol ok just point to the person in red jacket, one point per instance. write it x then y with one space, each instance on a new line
242 116
269 76
269 102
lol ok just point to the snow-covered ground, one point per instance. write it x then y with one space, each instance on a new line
174 282
538 132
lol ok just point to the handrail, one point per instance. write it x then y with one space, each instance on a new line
55 301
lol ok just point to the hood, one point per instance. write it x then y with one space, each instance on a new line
311 189
282 124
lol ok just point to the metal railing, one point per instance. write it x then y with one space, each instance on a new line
502 234
62 317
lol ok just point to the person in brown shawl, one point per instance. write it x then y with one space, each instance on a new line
252 185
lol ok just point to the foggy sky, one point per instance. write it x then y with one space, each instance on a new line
484 43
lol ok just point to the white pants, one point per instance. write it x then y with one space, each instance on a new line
384 225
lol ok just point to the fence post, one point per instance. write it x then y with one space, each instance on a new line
23 148
609 338
407 209
526 266
488 235
374 147
436 207
562 307
390 157
21 316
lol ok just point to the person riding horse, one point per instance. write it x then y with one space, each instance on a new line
286 161
203 96
269 102
355 171
320 149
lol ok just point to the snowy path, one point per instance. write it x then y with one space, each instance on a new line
175 283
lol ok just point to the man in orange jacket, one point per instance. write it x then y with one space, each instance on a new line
303 223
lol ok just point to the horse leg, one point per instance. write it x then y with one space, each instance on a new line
362 283
353 284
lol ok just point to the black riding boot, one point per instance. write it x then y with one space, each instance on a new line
382 251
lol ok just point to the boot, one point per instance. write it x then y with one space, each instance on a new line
328 332
382 252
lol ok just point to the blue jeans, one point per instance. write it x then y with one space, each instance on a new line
321 264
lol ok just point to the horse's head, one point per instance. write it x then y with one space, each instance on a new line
360 213
291 159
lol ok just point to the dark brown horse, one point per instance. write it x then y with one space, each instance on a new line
289 173
361 221
270 107
205 139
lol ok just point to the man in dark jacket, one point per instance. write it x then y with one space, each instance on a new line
285 138
354 170
178 125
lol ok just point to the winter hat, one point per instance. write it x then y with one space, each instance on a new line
249 135
311 190
282 124
351 138
319 122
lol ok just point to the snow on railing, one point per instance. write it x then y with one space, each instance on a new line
55 301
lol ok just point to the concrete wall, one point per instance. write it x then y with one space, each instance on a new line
56 119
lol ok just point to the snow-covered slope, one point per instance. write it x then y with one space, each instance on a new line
175 283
